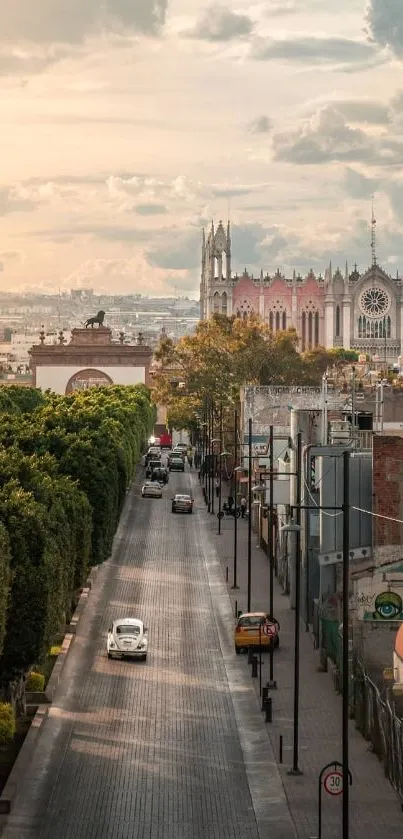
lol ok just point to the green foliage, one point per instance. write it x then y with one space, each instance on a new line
65 466
224 354
4 580
20 400
7 723
338 356
35 682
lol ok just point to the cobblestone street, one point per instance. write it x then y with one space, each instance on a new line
173 748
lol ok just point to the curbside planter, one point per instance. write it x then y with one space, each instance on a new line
53 682
42 700
36 697
22 762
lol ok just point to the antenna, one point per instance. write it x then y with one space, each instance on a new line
373 235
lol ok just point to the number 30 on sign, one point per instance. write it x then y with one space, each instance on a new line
333 783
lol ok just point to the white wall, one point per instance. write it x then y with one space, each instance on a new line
55 378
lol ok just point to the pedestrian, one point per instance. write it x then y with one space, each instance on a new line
217 486
190 458
243 504
230 503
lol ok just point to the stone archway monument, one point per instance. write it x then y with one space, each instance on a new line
91 359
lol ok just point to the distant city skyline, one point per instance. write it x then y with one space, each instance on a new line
127 127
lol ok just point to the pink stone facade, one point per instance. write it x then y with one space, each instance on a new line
361 311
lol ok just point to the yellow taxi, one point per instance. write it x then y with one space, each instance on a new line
254 629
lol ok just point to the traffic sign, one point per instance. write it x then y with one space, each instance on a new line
333 782
270 629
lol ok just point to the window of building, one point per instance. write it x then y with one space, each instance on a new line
310 329
303 330
284 326
277 321
337 321
271 323
224 303
216 302
316 329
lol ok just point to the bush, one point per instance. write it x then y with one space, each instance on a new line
35 682
7 723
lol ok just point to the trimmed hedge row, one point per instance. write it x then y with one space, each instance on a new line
65 466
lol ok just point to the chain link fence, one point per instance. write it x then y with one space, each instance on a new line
376 719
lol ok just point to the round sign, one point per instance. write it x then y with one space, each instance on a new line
333 782
270 629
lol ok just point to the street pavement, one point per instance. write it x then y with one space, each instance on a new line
374 807
172 748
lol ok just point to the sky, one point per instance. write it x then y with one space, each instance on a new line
128 125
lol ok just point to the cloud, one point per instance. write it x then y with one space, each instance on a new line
150 209
314 50
120 276
358 185
327 137
177 251
15 200
385 19
58 21
261 125
364 111
220 24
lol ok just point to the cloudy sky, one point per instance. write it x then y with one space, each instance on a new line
127 125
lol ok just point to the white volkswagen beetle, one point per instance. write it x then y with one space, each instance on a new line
127 637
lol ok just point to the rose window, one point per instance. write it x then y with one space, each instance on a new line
374 302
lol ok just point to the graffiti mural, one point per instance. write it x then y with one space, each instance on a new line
375 603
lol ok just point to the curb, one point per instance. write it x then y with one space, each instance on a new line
23 760
25 755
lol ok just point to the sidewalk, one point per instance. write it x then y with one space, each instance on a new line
374 806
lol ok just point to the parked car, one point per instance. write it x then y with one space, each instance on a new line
160 474
127 638
182 503
152 489
154 453
176 464
151 466
177 453
254 629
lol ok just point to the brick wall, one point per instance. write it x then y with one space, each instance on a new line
388 497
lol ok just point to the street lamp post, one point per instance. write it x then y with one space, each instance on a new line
249 514
236 467
272 683
346 674
296 528
220 475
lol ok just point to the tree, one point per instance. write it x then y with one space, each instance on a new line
224 354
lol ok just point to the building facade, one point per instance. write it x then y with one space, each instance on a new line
361 311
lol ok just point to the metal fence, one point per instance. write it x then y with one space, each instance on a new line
377 721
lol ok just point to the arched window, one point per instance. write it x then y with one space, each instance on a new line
337 321
388 327
271 321
277 321
224 303
316 329
303 331
359 327
216 302
310 329
284 326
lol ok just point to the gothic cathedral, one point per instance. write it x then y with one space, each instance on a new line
361 311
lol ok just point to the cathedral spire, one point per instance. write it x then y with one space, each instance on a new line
373 236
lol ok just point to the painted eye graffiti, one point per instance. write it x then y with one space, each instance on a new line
388 605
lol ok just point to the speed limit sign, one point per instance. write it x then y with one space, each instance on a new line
333 782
